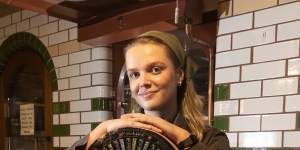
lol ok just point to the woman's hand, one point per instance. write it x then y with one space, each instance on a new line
173 132
113 125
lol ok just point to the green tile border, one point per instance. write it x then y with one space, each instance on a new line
298 120
94 125
61 107
221 92
21 40
221 122
61 130
102 103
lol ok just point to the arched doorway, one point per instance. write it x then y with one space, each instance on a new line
25 80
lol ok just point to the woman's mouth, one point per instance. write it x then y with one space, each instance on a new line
147 94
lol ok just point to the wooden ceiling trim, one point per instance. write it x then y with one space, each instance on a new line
123 35
129 20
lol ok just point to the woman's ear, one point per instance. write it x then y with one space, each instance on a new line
179 76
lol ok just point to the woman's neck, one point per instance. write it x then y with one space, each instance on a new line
168 113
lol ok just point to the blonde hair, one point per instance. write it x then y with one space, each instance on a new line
191 103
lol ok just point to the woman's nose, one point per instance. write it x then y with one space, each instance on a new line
145 80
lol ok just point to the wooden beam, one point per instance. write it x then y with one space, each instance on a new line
129 24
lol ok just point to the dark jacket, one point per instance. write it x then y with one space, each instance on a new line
213 139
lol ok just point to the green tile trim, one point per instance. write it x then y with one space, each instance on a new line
221 123
61 130
22 40
94 125
61 107
298 121
102 103
221 92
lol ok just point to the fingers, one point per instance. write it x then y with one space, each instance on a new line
123 123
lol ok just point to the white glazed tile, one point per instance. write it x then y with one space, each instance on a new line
237 23
68 140
69 71
73 33
260 139
59 37
38 20
291 139
261 105
231 58
79 57
96 66
279 122
55 141
229 107
288 30
80 81
292 103
80 129
82 105
280 86
55 120
223 43
232 137
245 90
55 96
64 24
277 15
280 50
95 116
227 75
63 84
60 61
69 118
294 67
68 95
22 26
244 123
48 28
263 71
5 21
101 53
27 14
9 30
253 37
96 91
102 79
16 17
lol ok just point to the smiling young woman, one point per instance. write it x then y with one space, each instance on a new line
160 75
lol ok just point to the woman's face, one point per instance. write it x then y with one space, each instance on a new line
152 76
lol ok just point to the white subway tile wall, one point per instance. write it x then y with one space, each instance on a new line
262 71
82 105
292 103
95 116
68 141
69 118
278 122
83 73
229 107
233 58
257 58
281 50
261 105
244 123
236 23
291 139
260 139
227 75
223 43
245 90
80 129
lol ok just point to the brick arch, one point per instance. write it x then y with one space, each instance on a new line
23 40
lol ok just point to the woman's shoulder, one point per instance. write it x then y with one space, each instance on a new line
212 135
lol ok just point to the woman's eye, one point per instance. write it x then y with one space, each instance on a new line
133 75
156 70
